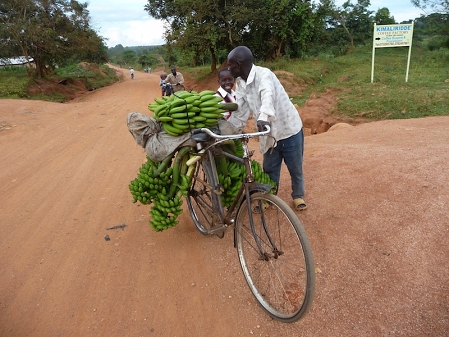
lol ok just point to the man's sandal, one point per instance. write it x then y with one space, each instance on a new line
265 206
299 203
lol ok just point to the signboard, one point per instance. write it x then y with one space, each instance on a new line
393 35
400 35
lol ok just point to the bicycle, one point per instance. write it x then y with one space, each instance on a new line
272 245
169 89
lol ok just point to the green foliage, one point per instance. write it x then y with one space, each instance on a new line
200 33
51 32
440 6
383 17
432 31
348 77
14 81
203 28
389 96
93 78
138 57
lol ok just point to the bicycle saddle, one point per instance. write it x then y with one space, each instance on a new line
199 136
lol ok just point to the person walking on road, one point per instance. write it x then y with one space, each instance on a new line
259 91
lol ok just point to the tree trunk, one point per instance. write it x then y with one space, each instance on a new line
40 68
278 50
213 65
349 34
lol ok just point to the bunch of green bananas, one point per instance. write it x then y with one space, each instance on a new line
187 110
231 181
259 175
163 185
231 173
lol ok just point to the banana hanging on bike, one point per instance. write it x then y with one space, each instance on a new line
163 185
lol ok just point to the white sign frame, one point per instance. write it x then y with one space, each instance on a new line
398 35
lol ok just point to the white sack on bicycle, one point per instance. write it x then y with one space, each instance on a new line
158 144
227 128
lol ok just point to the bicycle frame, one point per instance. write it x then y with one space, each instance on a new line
249 185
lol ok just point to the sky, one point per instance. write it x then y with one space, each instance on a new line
127 23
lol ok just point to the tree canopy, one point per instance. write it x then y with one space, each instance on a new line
438 6
49 32
269 27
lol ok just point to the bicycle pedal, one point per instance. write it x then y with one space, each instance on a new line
218 230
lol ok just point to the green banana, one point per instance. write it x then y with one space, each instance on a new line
212 101
204 98
182 127
199 118
160 108
206 92
165 118
182 115
171 130
180 108
228 106
210 115
209 109
160 100
194 109
184 121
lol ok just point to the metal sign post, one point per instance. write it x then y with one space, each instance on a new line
393 36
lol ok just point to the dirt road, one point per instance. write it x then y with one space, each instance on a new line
378 222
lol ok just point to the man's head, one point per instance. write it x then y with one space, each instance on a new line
173 70
240 61
225 79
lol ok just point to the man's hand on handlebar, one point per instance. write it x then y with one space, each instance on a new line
261 125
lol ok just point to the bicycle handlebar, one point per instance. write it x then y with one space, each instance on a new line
236 136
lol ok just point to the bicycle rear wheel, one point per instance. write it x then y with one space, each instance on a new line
200 198
281 275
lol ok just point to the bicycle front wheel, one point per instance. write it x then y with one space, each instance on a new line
275 257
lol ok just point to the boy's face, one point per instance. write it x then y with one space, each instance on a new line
234 67
226 81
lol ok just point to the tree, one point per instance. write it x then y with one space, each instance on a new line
355 19
268 27
438 6
282 25
146 59
129 56
438 22
49 32
383 17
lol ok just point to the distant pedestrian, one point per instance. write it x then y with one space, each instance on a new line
162 83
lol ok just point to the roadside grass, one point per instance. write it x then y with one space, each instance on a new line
14 81
389 97
93 78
